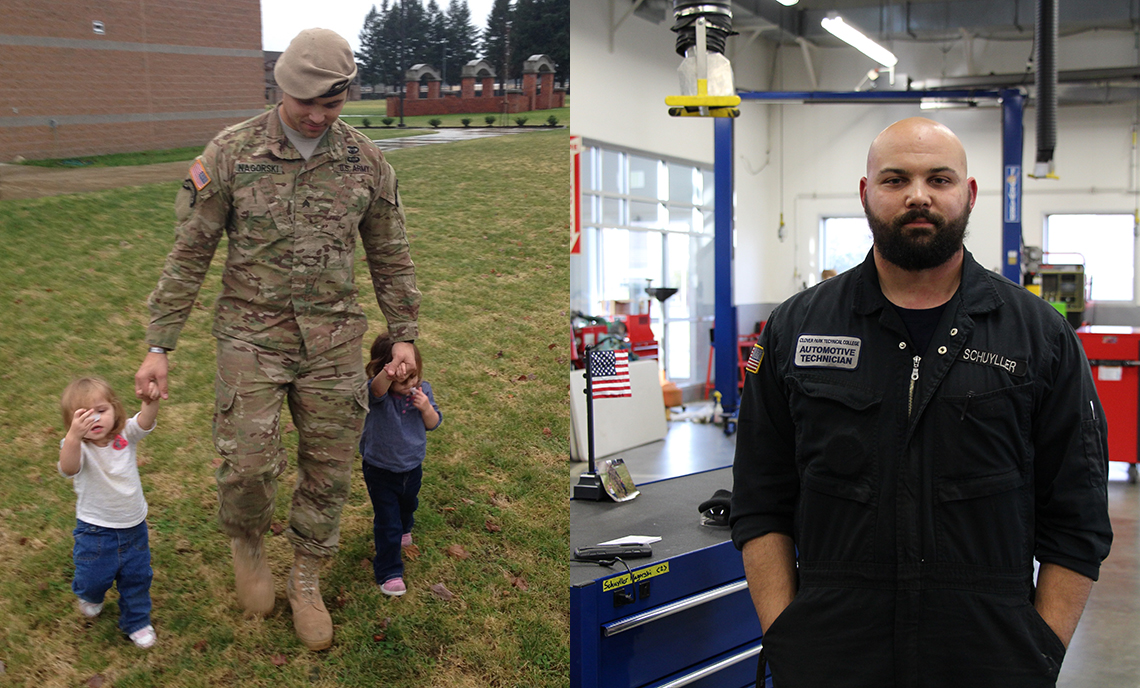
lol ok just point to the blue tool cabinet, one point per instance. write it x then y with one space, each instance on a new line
686 619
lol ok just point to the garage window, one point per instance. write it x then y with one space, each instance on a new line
1104 243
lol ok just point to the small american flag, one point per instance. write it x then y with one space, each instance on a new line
198 175
609 373
754 359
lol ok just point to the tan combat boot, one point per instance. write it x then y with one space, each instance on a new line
252 579
310 618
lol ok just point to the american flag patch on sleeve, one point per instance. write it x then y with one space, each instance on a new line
754 358
198 175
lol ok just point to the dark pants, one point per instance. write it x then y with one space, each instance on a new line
395 497
106 556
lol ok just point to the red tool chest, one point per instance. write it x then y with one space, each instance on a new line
1114 354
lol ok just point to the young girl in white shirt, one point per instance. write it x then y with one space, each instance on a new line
99 455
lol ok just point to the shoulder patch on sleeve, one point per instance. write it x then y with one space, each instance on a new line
198 174
754 359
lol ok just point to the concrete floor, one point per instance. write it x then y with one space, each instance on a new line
1104 653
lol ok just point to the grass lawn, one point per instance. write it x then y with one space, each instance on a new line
491 262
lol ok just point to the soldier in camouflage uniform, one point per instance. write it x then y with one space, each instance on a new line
290 189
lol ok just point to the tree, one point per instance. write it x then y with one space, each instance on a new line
372 57
462 37
436 39
416 29
556 27
541 27
496 39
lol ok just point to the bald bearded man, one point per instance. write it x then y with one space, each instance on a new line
913 433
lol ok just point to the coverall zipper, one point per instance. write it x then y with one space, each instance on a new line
913 379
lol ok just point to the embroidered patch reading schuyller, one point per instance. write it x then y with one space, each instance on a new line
1015 368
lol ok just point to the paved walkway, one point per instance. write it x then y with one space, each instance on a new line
447 136
28 181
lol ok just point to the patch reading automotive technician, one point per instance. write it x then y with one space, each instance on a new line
826 351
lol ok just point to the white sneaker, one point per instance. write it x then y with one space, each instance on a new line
144 637
88 609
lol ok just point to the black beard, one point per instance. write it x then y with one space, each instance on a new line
917 253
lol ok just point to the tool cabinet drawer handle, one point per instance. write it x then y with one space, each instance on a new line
713 668
631 622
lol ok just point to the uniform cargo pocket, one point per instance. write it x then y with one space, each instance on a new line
835 430
981 483
362 396
982 434
836 441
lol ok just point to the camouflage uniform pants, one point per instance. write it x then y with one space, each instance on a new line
328 400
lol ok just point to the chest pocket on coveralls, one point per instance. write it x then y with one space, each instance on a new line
981 475
836 439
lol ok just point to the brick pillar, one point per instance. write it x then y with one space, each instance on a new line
467 87
530 84
543 101
433 89
393 108
411 90
488 87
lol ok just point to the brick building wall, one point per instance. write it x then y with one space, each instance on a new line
161 75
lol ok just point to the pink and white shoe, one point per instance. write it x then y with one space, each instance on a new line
88 609
393 587
406 540
144 637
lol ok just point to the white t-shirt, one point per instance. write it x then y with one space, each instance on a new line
304 145
107 487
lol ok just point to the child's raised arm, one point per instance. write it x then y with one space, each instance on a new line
381 383
69 451
149 412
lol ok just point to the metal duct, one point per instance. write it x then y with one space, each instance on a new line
1045 42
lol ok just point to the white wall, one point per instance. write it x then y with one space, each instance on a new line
824 148
619 96
806 160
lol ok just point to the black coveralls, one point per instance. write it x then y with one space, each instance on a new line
919 488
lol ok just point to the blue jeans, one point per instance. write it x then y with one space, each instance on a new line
395 497
105 556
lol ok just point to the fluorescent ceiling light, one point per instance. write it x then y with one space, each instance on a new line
853 37
787 3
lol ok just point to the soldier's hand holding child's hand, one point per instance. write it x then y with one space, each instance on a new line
396 372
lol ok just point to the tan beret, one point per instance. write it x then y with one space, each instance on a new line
317 64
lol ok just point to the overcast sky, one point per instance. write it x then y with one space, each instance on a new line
281 20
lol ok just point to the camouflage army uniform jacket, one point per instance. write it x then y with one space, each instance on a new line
291 225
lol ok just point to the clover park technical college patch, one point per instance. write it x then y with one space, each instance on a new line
827 351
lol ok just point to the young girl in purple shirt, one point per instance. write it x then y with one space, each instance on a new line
401 409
